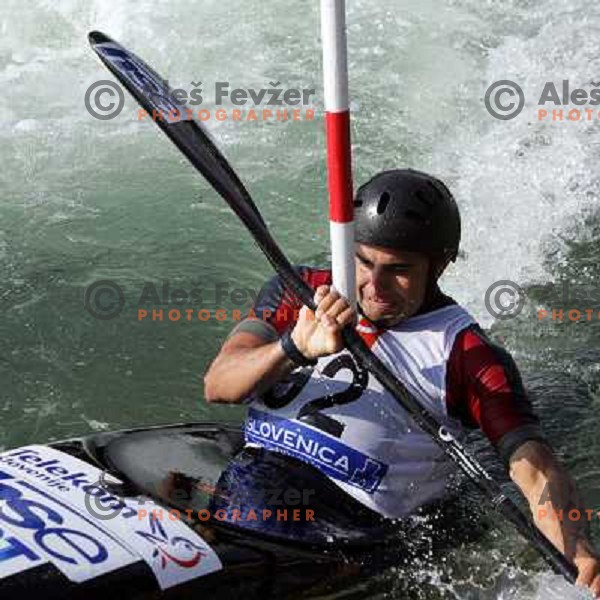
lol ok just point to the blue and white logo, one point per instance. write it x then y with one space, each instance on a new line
328 454
143 79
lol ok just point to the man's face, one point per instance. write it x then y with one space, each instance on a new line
391 284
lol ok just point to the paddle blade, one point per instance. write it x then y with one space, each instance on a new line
175 119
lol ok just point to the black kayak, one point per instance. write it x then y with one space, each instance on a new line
135 514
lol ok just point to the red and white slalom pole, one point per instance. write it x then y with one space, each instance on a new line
339 166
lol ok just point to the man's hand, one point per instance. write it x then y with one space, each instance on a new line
319 333
259 362
587 562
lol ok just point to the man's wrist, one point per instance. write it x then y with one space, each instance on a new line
293 353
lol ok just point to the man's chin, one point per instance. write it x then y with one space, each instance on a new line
383 317
389 320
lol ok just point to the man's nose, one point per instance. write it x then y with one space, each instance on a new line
378 279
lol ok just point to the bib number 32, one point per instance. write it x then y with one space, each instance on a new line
311 413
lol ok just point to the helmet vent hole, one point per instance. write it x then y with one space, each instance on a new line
384 200
358 203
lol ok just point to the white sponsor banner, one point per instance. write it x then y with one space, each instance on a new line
37 527
136 528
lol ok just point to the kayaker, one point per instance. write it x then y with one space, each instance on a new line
312 407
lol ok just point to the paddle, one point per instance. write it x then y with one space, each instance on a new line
147 87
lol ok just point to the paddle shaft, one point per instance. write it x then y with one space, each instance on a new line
201 151
236 196
363 355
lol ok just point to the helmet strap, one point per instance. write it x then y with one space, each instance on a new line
437 265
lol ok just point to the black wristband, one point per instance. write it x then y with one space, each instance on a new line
292 352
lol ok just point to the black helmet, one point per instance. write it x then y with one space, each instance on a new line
408 210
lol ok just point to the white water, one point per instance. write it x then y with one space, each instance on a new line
418 75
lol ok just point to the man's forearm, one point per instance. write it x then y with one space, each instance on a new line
236 374
553 498
557 508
